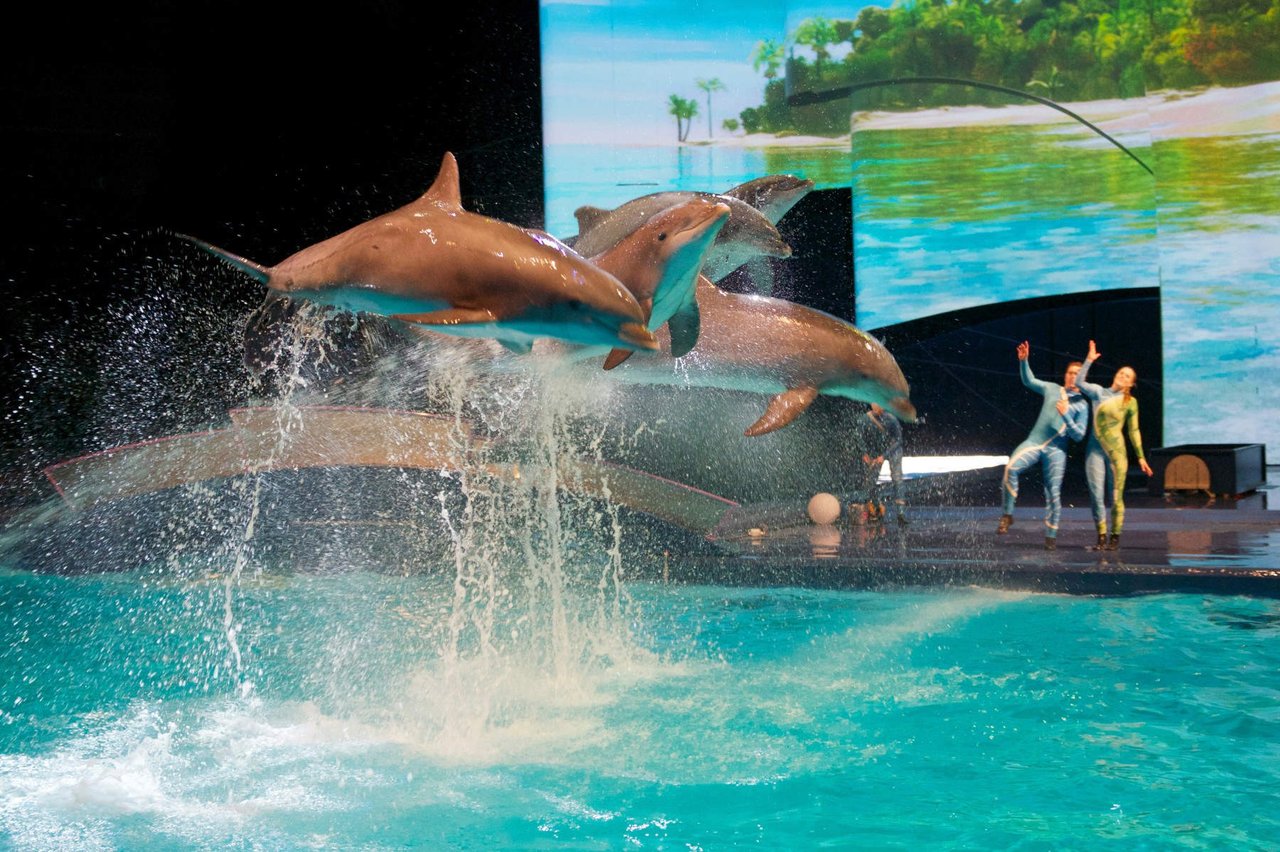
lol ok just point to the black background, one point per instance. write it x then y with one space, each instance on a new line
259 126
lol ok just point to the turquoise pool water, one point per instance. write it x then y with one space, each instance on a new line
369 711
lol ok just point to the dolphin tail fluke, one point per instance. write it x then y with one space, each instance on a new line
783 408
685 325
616 357
257 270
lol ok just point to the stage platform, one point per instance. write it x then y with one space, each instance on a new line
1232 547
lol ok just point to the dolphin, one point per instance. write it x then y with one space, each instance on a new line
767 345
434 264
659 263
772 195
747 234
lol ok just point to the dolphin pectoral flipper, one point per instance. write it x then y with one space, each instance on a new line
450 316
616 357
783 408
684 325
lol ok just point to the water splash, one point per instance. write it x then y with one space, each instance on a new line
532 617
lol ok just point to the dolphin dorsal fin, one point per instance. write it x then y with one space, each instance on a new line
748 192
588 217
445 189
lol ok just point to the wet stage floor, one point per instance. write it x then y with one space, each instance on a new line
1230 548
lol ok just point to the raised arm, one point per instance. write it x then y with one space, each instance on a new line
1089 389
1024 368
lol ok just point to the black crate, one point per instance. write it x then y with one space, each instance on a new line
1232 468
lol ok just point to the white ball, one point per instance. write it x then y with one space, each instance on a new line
824 508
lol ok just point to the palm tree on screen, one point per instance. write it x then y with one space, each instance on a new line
709 86
684 109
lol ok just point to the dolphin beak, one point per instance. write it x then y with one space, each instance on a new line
636 336
903 409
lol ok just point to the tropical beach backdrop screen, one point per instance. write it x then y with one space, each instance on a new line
964 195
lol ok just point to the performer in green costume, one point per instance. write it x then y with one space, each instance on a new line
1106 463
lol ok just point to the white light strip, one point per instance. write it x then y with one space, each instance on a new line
917 466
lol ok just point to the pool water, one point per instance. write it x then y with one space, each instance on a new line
365 711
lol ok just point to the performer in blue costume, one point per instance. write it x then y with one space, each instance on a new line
1063 416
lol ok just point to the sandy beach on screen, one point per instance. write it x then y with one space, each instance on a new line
1215 111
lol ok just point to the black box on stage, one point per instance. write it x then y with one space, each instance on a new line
1217 468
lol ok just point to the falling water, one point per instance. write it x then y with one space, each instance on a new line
533 612
304 343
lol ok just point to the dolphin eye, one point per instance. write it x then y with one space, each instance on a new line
662 236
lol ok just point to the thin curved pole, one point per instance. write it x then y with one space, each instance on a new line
808 98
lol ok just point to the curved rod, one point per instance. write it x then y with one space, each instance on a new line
807 98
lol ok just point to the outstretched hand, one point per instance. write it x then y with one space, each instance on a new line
1094 354
1024 350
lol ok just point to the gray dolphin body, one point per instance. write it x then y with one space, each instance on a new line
772 346
747 234
435 264
772 195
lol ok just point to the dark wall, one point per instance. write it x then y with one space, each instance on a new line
258 126
963 367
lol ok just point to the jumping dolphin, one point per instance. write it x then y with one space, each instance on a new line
659 262
774 196
434 264
747 234
766 345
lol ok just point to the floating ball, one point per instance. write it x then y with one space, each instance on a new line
824 508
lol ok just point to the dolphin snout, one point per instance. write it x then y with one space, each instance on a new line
903 409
